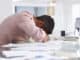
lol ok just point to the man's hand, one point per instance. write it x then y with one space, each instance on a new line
45 39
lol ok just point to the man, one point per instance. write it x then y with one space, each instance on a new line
21 26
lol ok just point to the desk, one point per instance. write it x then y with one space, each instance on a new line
52 50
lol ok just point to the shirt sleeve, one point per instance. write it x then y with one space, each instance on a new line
32 30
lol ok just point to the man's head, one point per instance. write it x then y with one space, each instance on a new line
46 23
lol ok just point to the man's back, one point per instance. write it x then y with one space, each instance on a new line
9 28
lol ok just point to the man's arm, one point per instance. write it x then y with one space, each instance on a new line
29 27
35 32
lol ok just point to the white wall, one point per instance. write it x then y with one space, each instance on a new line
5 9
59 18
63 16
68 15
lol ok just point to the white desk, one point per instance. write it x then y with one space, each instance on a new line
52 50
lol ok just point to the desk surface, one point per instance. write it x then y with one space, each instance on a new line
58 50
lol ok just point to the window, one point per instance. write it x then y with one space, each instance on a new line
36 8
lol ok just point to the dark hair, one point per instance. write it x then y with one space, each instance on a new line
48 23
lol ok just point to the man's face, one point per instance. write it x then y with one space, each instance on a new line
39 23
